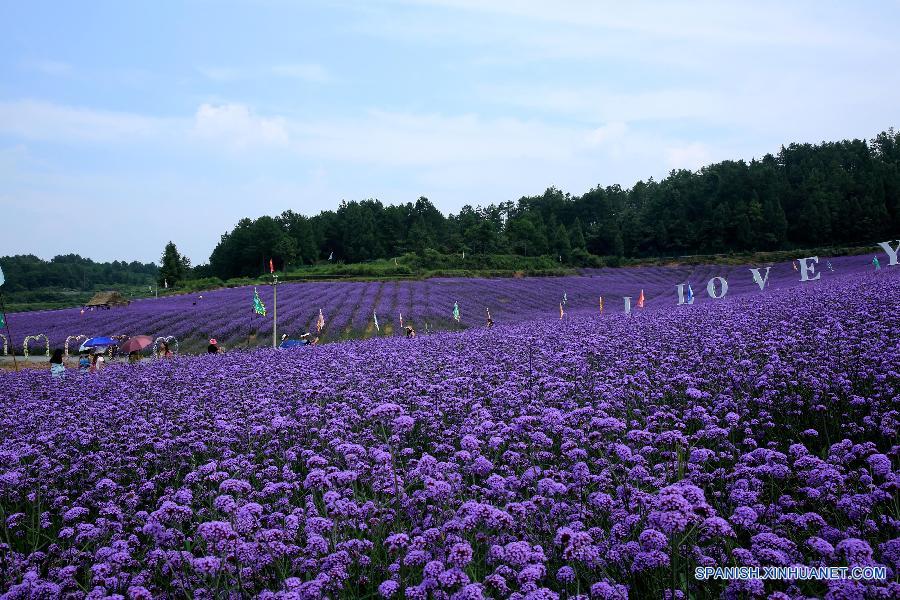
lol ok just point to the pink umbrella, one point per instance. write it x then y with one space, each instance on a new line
135 344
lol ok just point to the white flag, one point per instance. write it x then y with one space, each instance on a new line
376 321
330 255
166 283
2 278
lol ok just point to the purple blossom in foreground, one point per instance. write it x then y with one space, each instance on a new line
594 458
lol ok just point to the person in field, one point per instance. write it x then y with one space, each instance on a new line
134 357
410 332
96 363
57 368
163 351
213 347
84 362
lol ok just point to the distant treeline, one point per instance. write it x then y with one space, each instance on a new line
72 272
806 195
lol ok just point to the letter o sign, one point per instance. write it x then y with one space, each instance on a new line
711 288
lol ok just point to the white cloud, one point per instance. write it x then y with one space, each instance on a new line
237 127
53 68
221 74
398 139
700 21
688 156
306 71
36 120
309 72
610 132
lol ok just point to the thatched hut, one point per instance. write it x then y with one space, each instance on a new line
107 300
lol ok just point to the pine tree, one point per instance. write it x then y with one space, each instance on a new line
173 267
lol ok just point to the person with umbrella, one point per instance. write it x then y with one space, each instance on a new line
133 346
84 361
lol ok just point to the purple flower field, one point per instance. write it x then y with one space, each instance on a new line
227 314
599 457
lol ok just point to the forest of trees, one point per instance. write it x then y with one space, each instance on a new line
72 272
833 193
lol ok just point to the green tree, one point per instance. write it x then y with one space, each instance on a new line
173 267
576 235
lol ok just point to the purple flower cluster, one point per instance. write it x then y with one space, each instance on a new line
599 458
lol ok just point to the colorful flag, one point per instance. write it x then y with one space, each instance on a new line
258 307
3 321
828 264
271 266
456 311
565 298
401 320
320 322
690 295
2 278
794 264
876 263
562 313
641 300
601 305
377 328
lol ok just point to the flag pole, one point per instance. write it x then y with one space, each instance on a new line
8 333
274 310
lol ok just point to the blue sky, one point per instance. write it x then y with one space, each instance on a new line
126 124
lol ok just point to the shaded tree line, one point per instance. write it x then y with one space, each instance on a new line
832 193
72 272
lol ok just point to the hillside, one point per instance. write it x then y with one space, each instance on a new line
348 307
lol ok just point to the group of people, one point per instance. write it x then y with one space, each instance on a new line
87 363
93 362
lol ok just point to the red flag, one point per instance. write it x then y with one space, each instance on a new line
641 300
271 266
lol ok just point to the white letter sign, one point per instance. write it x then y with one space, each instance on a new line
891 252
760 280
806 270
711 287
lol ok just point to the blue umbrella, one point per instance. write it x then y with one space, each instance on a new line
96 349
293 343
100 341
